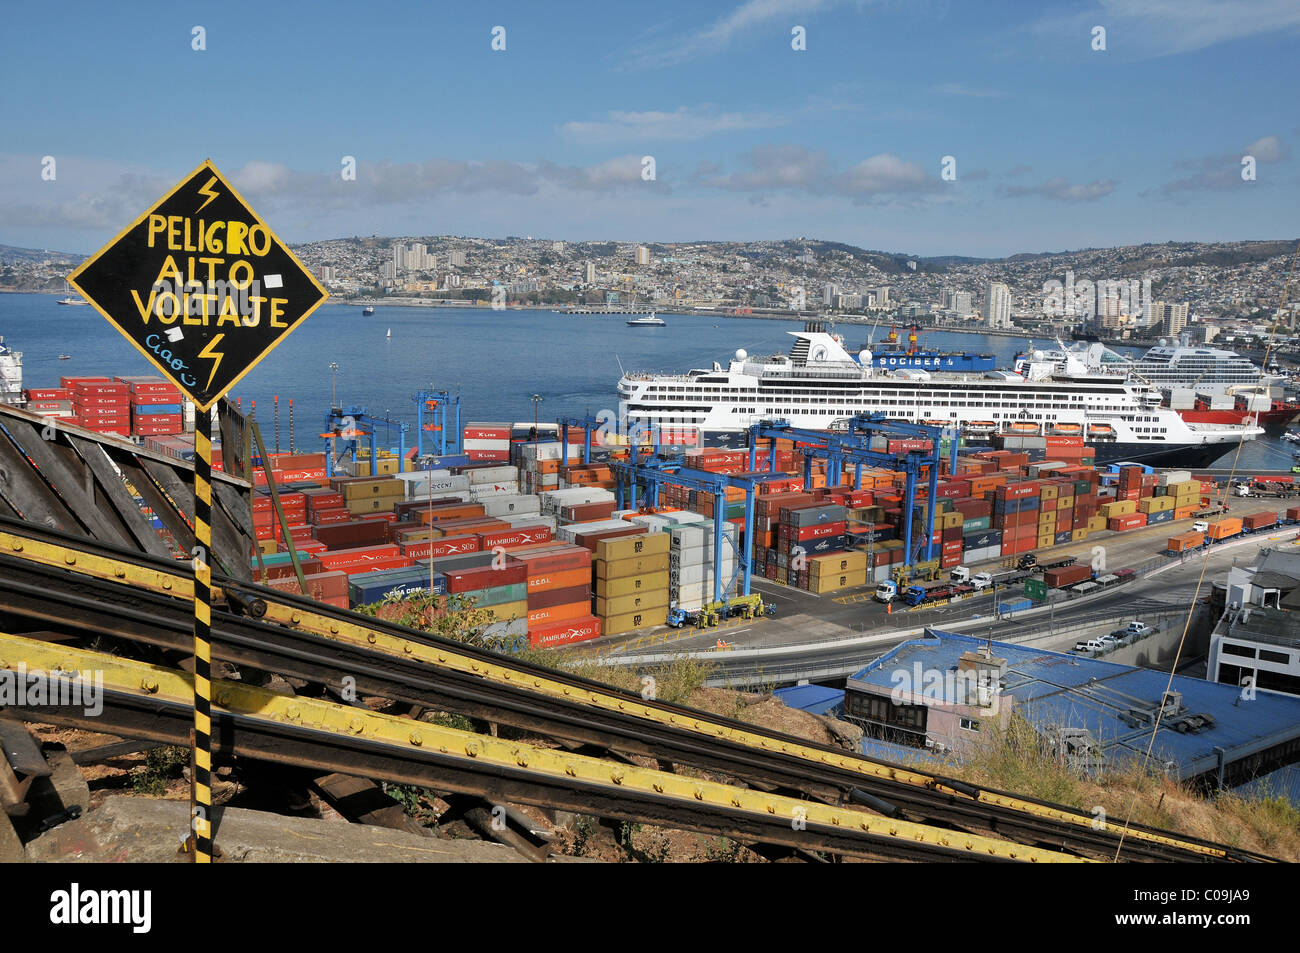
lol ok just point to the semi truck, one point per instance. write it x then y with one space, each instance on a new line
920 595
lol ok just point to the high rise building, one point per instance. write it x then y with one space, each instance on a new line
642 255
882 296
958 301
1172 318
457 259
399 258
829 291
997 305
589 273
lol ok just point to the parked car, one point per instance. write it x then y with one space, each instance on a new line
1091 645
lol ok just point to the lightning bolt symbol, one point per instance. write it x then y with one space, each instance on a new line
210 353
207 190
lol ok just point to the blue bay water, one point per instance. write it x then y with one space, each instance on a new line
495 360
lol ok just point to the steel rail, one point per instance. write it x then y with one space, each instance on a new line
312 733
165 578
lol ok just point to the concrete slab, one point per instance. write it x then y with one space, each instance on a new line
11 847
142 830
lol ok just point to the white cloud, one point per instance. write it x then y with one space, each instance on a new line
685 122
1152 28
1064 191
748 16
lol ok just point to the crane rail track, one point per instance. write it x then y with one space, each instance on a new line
86 589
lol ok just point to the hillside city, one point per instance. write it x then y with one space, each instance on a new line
1139 292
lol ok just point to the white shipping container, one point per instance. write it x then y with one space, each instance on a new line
703 573
684 537
699 556
479 443
1173 476
502 474
506 505
553 500
525 520
484 491
418 476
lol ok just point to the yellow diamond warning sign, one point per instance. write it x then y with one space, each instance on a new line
201 286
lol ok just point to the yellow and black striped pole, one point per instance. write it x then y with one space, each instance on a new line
201 778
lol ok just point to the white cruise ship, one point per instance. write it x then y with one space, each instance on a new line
11 375
820 385
1205 370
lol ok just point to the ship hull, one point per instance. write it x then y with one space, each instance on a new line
1150 454
1275 420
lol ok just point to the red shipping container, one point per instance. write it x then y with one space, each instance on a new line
562 633
483 577
434 549
495 455
818 531
320 585
514 537
553 557
155 400
386 556
549 598
487 433
49 393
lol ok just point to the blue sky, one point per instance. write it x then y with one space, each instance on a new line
1056 145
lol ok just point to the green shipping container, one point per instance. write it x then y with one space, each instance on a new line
979 522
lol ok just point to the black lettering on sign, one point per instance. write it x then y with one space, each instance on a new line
200 285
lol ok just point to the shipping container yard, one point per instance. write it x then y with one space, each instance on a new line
507 519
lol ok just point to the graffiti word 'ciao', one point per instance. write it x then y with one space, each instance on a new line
154 343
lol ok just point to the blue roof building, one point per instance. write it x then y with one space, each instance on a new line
943 690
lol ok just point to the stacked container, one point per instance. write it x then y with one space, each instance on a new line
100 404
691 565
631 580
487 441
155 406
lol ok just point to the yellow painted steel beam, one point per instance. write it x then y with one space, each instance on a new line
359 634
258 704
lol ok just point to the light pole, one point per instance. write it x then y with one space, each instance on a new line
334 368
537 403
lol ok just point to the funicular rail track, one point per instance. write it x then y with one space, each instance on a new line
52 582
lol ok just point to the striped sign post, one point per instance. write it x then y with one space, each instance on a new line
201 786
203 288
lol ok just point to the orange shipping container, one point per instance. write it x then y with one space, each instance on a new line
572 610
1225 528
1185 541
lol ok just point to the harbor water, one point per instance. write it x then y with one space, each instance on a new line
495 360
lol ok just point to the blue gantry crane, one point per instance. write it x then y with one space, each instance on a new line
853 447
660 470
433 412
352 426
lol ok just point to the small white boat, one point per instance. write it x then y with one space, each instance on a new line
73 301
368 310
390 333
648 321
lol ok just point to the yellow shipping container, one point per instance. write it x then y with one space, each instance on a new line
830 582
1045 540
508 610
637 566
1096 524
637 602
1119 508
829 563
614 625
1078 534
629 547
630 585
